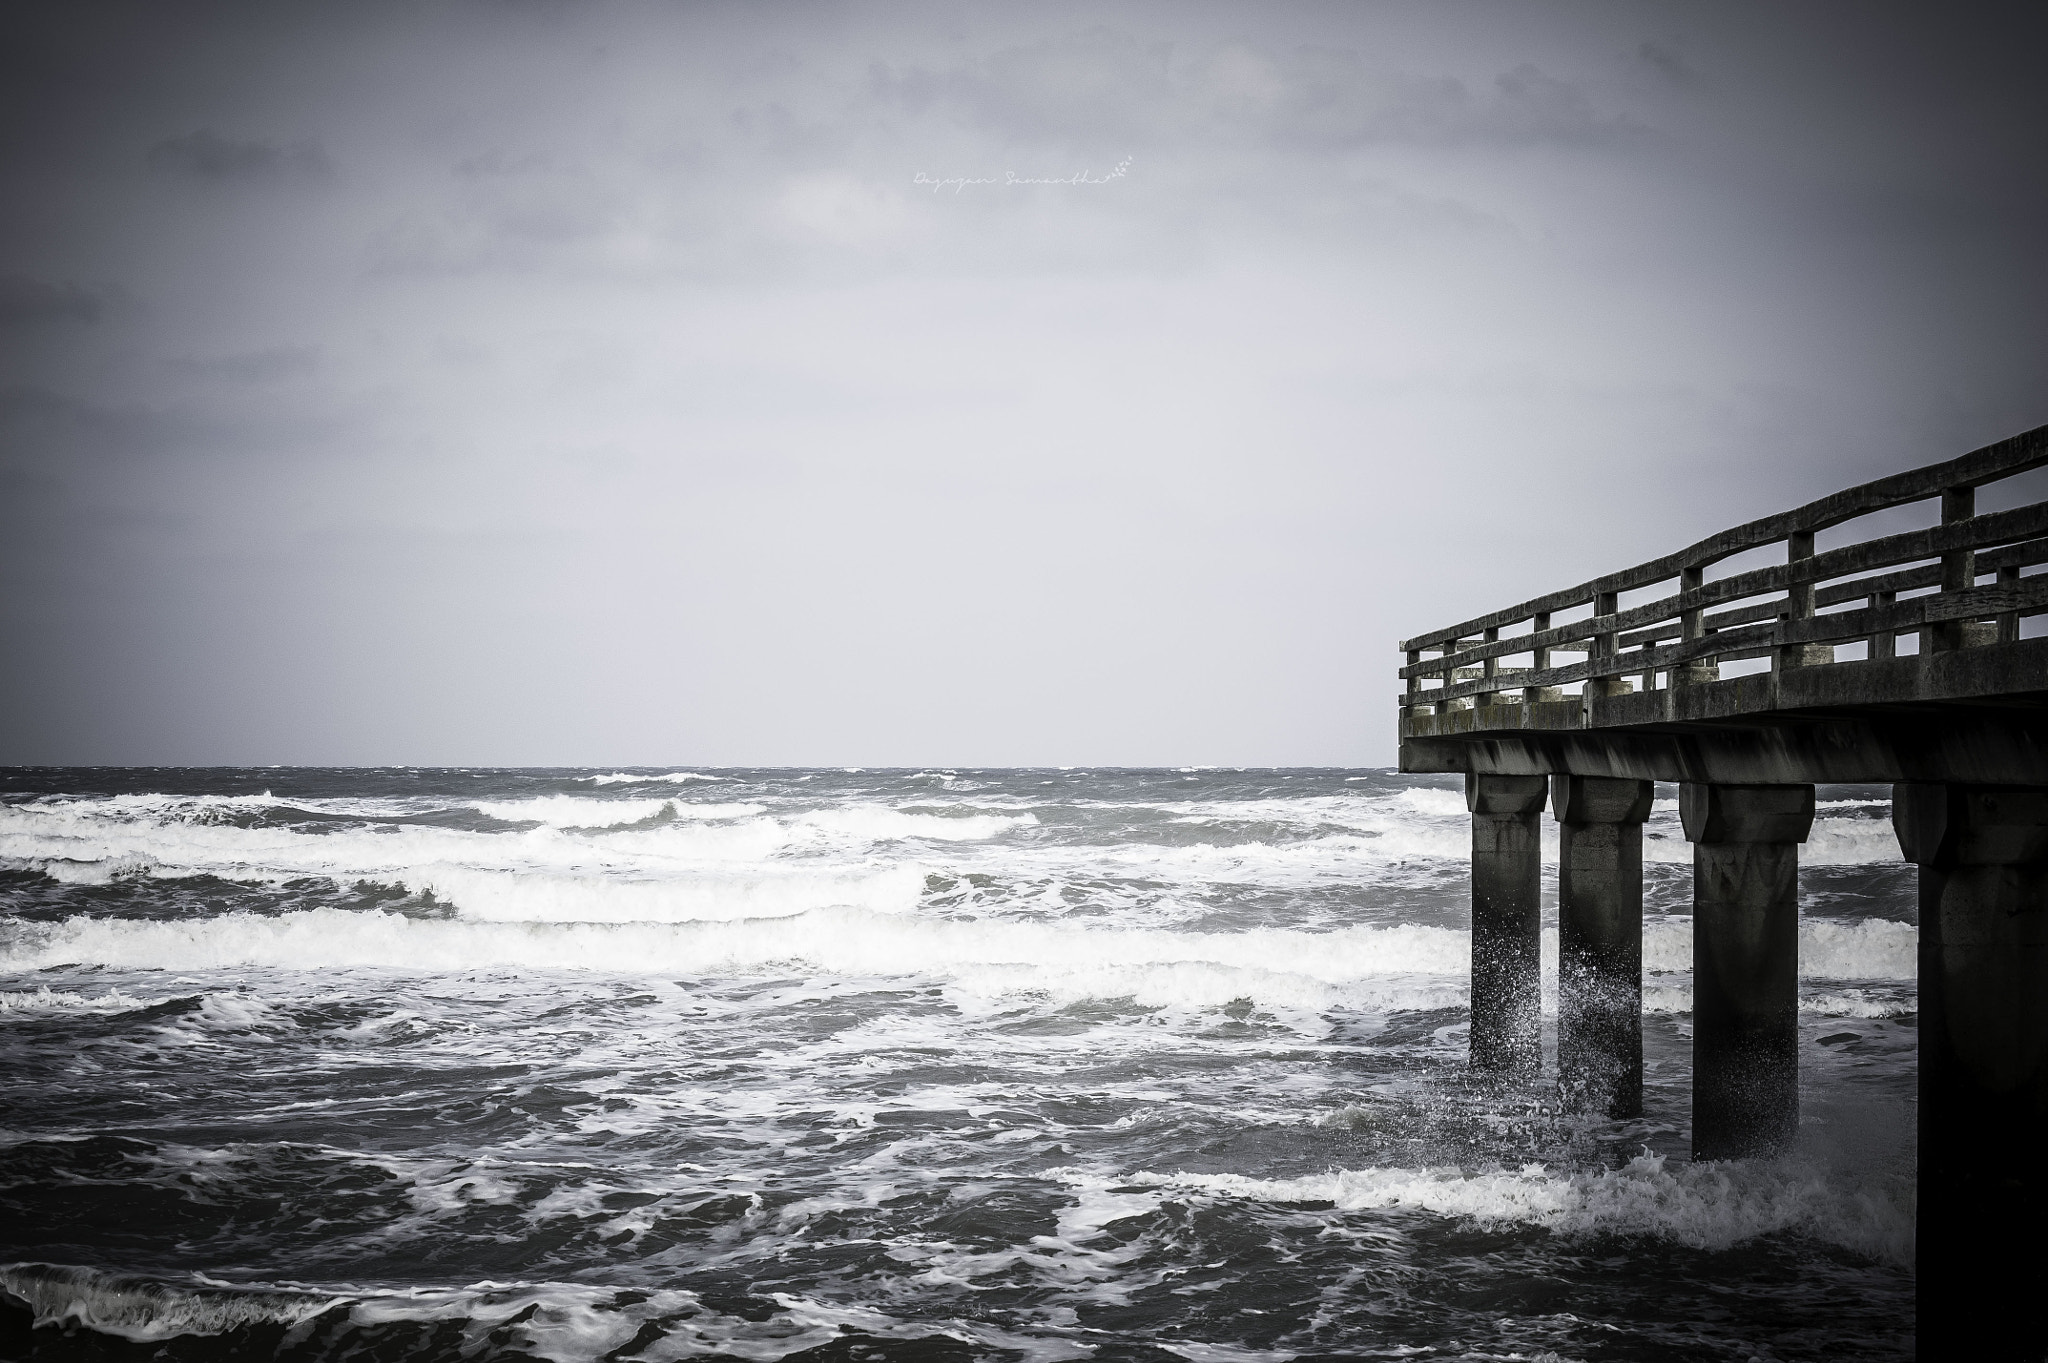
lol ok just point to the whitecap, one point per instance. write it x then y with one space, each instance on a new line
144 1311
620 778
1711 1205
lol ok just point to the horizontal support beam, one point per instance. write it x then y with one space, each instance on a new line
2015 455
1976 715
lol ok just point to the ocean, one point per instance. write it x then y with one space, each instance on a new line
425 1064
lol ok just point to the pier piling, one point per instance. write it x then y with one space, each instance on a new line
1600 942
1982 1258
1745 964
1507 922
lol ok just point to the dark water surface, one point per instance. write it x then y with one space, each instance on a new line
577 1065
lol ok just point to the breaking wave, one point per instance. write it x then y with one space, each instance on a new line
1706 1206
145 1311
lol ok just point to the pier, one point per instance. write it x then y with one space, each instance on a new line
1897 658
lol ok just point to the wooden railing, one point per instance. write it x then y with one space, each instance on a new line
1781 611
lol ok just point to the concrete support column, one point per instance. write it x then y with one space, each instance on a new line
1600 942
1507 918
1983 1259
1745 964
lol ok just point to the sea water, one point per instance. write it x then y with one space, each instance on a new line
856 1064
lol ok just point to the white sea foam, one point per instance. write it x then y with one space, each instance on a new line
770 892
226 1013
1407 966
79 871
45 1000
1832 842
561 1322
579 1323
1666 998
839 940
1709 1206
623 778
1858 1004
1425 822
1298 995
594 859
1869 949
1438 804
583 811
80 843
165 807
879 823
143 1311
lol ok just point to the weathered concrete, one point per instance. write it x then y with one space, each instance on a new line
1600 942
1745 964
1983 1257
1507 922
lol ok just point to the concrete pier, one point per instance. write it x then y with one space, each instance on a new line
1600 942
1745 964
1507 921
1982 1257
1649 674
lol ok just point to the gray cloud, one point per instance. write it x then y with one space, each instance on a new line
207 156
814 172
1099 84
253 366
45 430
1667 62
1103 85
25 301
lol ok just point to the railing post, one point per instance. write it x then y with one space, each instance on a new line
1883 644
1605 645
2008 621
1414 688
1692 624
1539 660
1799 606
1488 670
1507 919
1983 1261
1600 942
1958 573
1745 964
1451 679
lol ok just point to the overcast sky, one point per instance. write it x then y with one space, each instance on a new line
555 383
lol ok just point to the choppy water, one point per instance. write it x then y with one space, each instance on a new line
442 1064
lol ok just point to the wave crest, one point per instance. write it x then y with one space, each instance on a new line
144 1311
1706 1206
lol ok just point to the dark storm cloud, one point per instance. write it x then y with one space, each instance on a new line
207 156
55 448
50 431
54 438
25 301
